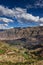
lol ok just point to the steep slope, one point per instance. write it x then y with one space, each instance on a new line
16 55
32 34
28 36
17 33
21 46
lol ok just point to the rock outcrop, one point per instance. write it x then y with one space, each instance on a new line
28 35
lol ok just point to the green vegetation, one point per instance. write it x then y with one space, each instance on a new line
19 63
2 51
18 55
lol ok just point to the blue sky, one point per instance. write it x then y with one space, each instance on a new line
21 13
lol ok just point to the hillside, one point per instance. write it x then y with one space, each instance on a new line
21 46
18 55
32 33
25 35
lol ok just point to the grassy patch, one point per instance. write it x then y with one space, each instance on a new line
2 51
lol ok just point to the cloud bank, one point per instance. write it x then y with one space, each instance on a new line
19 13
6 20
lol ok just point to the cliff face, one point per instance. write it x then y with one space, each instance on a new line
33 34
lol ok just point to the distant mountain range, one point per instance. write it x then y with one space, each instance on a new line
31 33
27 36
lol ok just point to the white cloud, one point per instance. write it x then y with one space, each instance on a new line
30 17
41 19
10 12
19 13
5 11
6 20
41 24
3 26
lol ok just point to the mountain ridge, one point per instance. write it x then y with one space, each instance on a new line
18 33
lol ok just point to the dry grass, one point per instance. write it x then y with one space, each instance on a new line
18 55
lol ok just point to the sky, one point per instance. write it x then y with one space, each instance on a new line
21 13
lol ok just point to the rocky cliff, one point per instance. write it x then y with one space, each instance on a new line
31 33
28 36
34 34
